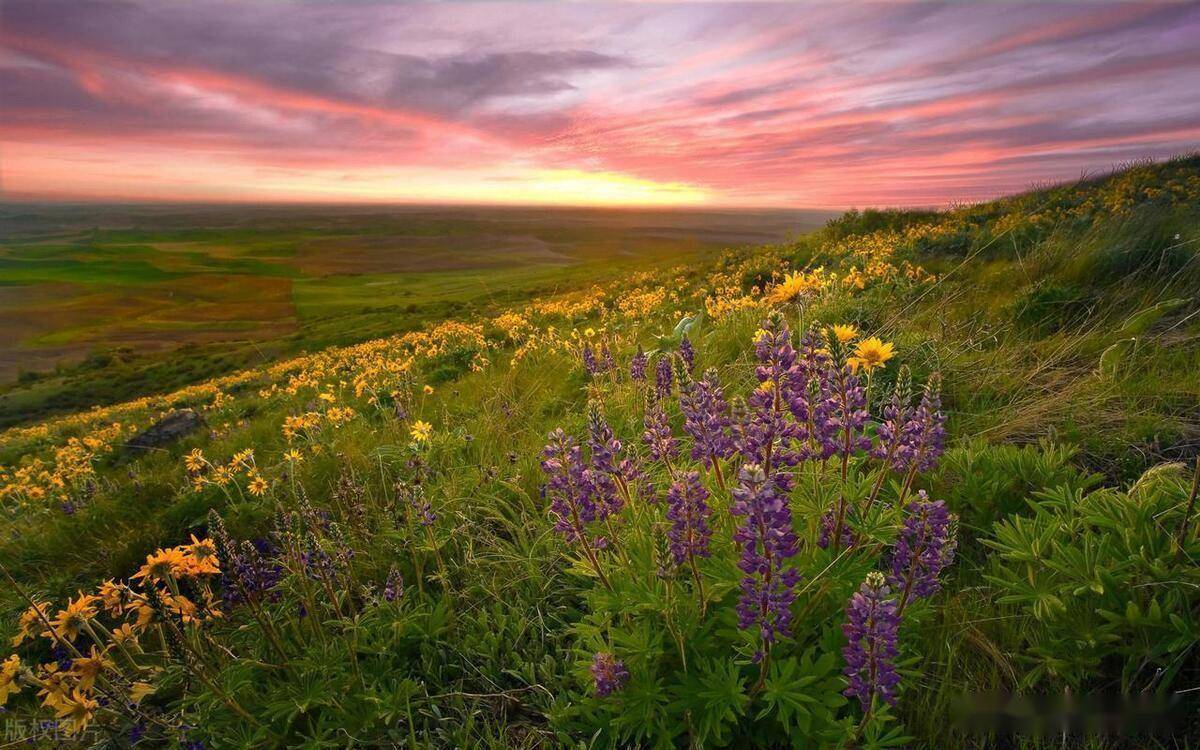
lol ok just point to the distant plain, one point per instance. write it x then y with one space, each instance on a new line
99 302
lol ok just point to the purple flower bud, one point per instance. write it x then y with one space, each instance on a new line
590 366
925 432
923 549
841 415
688 511
890 435
768 433
828 524
393 588
608 673
662 377
687 353
657 436
767 540
568 487
606 359
610 473
637 368
871 628
706 415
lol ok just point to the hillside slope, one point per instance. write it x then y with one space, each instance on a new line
804 495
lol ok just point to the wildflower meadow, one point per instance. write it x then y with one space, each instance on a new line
870 488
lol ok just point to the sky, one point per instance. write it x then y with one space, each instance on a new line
627 104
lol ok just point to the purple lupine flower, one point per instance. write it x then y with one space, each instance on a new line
923 549
688 510
828 524
637 367
608 673
393 587
611 472
660 443
590 365
925 432
767 540
317 562
706 415
767 434
606 359
687 353
890 435
871 628
662 377
249 570
421 506
841 415
568 487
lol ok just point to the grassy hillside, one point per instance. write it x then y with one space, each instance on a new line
764 540
102 304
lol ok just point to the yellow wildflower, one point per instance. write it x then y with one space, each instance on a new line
421 431
871 353
8 678
258 486
845 333
78 709
68 621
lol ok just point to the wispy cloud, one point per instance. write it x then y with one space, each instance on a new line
800 104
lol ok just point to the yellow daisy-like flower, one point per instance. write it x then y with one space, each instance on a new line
421 431
202 557
222 476
68 621
294 456
124 634
87 668
871 353
845 333
55 684
428 389
8 678
794 285
77 709
258 486
163 564
195 460
31 623
113 595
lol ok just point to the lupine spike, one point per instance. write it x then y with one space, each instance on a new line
923 549
872 627
767 541
637 367
706 419
688 510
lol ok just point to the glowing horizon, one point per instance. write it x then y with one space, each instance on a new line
659 105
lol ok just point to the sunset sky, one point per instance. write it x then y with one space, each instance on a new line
802 105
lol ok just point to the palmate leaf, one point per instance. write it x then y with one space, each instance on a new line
803 695
714 696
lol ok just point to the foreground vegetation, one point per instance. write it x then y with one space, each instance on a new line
801 495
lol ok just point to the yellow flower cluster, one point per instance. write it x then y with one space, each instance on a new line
120 661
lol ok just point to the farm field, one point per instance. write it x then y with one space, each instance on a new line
641 481
98 300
